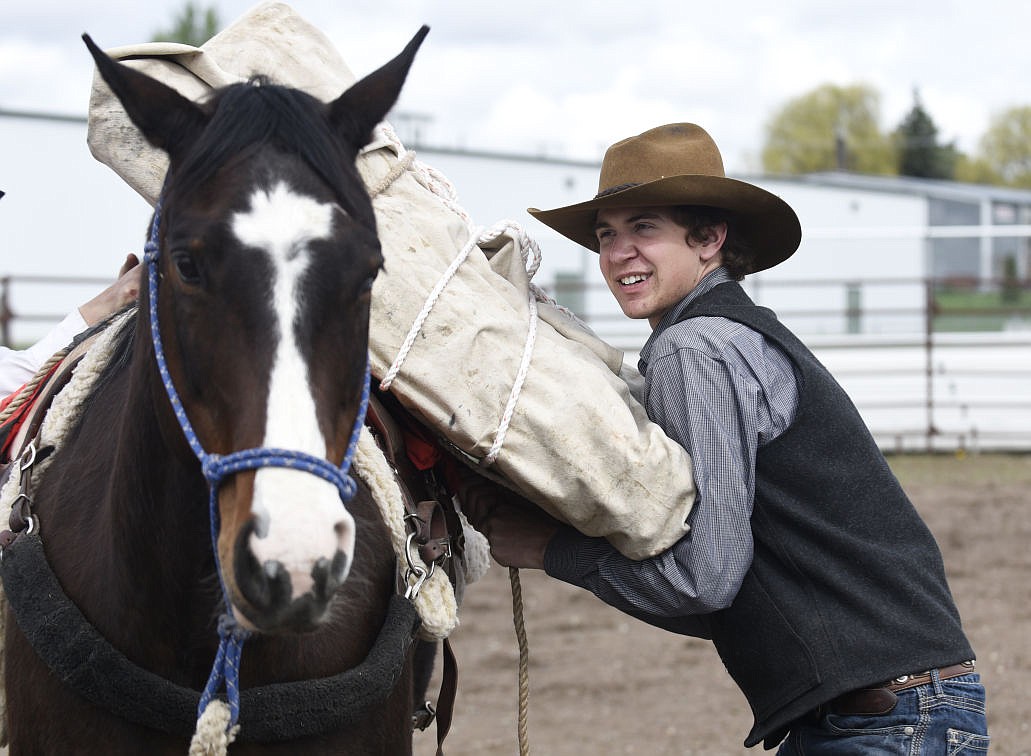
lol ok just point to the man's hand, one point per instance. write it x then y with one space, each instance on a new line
518 530
116 296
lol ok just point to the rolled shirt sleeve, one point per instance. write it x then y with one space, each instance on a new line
19 366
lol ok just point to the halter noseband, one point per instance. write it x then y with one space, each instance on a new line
215 467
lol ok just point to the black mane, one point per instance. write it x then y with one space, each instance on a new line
248 116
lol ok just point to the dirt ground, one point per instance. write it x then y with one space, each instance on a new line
604 683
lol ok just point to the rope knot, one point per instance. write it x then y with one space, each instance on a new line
212 469
229 628
226 670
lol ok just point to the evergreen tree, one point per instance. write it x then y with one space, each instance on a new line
919 152
192 26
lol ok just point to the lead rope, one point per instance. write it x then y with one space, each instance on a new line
524 660
213 713
26 392
439 185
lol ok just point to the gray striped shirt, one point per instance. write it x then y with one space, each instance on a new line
721 390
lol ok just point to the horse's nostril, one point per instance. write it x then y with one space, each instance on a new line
264 584
321 579
279 585
327 576
341 565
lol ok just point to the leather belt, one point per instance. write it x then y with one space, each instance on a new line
882 699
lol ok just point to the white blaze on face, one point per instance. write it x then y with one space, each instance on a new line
300 516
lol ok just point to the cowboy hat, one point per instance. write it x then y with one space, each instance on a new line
679 164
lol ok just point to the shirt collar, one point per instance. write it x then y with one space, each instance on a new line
708 283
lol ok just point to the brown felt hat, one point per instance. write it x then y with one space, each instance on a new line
680 164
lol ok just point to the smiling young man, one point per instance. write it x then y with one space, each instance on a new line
806 564
643 258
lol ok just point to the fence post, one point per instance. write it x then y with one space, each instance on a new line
5 311
930 308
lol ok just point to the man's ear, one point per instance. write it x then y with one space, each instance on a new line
717 234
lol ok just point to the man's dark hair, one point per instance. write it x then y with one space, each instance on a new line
736 254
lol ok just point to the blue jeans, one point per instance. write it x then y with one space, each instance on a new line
941 718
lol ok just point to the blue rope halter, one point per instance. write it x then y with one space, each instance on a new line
215 467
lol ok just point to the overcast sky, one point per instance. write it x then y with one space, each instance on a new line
569 77
563 78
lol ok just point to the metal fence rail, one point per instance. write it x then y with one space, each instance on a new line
919 388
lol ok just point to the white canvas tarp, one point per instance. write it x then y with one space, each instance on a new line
577 442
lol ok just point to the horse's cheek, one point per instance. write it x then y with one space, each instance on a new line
234 513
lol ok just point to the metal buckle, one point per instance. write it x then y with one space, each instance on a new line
416 570
30 452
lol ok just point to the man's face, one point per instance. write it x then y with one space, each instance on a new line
647 261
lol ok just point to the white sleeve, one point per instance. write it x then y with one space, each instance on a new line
18 366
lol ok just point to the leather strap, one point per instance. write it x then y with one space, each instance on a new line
448 692
433 522
904 682
882 699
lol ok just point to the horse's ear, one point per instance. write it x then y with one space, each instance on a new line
166 118
357 111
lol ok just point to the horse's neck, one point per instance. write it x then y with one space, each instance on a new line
119 510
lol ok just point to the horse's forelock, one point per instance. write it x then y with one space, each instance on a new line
246 117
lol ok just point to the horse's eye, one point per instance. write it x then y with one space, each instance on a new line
186 267
366 286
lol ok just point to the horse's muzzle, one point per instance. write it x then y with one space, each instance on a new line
264 592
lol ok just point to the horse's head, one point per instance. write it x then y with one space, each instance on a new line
263 268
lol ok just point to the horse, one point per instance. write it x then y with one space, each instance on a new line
199 521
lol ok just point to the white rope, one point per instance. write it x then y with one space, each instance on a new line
431 300
517 385
403 164
476 239
213 735
529 251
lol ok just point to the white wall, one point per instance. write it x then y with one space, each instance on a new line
66 213
849 235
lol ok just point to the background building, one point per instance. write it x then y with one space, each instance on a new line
914 292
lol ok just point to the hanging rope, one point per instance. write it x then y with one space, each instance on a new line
524 660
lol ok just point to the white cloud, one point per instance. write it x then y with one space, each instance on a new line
577 75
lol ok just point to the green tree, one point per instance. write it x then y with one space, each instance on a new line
1010 283
919 152
829 128
1006 146
192 26
976 170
